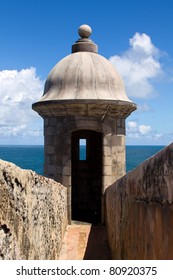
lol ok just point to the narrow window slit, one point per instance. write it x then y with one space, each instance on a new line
82 149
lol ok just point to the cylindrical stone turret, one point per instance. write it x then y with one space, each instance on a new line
84 102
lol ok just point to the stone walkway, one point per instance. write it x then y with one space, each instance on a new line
85 242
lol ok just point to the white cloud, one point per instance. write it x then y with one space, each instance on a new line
132 126
143 108
134 130
143 133
144 129
18 90
141 43
12 131
138 66
158 136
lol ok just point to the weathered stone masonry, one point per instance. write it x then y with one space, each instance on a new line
139 210
57 133
33 214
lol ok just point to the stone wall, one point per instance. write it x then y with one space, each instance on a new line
58 148
33 214
139 210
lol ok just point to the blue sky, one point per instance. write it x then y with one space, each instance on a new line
136 36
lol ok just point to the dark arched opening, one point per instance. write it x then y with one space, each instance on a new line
86 176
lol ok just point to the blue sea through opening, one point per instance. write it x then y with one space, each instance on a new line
82 149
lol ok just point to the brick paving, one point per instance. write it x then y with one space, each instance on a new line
85 242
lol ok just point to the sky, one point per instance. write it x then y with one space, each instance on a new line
136 36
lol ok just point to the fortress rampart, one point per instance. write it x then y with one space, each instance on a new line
139 210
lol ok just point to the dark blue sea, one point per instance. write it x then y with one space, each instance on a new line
32 157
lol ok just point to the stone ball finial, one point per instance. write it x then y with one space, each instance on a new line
84 31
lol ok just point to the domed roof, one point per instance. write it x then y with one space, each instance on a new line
84 76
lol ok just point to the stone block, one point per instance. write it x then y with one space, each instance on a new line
51 169
107 160
107 170
59 170
49 150
50 130
120 159
49 140
118 150
121 131
106 151
46 122
53 121
107 181
66 171
120 170
114 169
120 122
107 140
66 162
114 178
66 181
47 159
114 151
118 140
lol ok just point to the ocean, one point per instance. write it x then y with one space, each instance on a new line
32 157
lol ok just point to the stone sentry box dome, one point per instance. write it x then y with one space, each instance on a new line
84 102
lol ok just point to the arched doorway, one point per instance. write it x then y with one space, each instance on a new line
86 176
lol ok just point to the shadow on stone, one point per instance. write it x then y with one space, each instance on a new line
97 246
